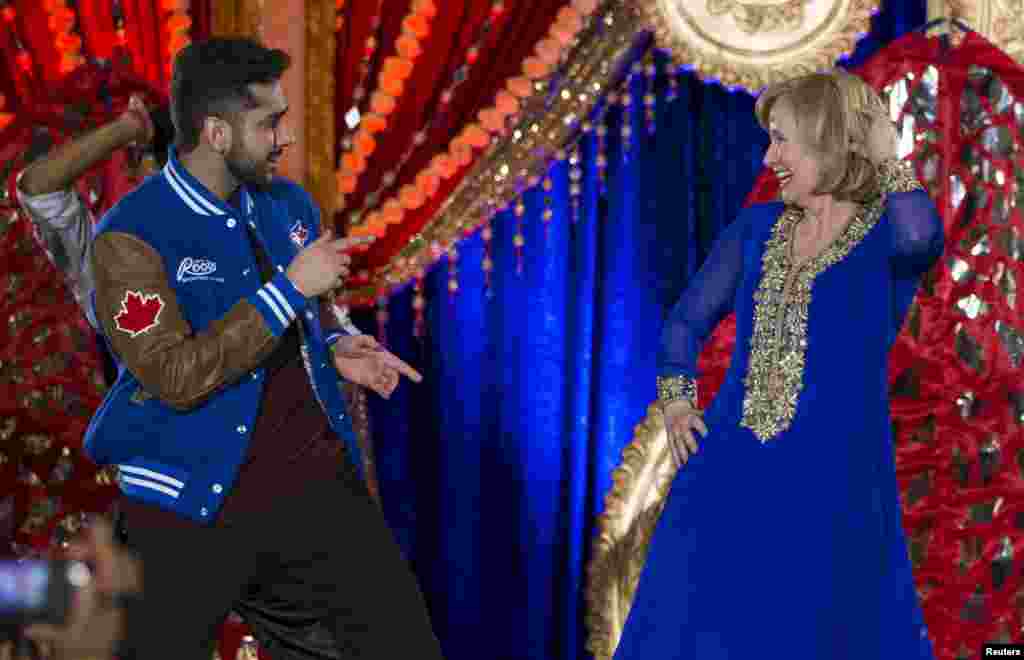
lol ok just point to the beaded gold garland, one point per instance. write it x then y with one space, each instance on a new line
548 121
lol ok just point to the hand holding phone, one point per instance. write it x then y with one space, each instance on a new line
39 591
95 621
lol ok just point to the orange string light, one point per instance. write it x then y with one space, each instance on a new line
458 76
339 21
373 124
493 120
176 26
519 86
394 71
5 117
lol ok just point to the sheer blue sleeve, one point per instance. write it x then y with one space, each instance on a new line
917 236
917 241
707 299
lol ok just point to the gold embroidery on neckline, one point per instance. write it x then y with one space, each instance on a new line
778 344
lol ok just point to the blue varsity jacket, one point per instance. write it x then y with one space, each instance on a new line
181 301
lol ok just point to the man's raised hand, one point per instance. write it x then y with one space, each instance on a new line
323 264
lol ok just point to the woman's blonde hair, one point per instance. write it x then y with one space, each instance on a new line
834 112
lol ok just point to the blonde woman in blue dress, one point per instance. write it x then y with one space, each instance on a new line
781 536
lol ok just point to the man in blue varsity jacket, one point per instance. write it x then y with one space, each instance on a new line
226 421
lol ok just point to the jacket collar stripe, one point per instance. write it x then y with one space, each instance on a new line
265 297
279 297
152 485
192 193
150 474
181 193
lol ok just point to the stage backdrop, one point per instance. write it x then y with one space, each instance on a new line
492 470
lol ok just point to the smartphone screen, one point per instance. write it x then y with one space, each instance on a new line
24 586
37 590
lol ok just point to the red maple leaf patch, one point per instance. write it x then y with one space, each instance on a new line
139 312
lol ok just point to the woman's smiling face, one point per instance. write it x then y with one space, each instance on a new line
797 169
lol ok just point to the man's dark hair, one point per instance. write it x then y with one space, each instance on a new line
163 133
212 78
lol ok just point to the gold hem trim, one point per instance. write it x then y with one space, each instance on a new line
632 507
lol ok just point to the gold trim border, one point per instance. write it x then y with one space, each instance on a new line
500 174
632 507
236 18
321 44
355 399
754 76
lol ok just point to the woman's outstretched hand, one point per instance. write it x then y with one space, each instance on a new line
681 420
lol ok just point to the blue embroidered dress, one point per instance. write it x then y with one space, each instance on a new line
782 537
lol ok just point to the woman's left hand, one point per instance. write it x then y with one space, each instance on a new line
882 140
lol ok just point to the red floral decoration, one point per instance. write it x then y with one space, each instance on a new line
62 21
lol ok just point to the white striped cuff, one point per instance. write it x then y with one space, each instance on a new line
279 302
138 477
127 482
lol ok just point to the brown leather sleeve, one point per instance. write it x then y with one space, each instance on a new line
140 315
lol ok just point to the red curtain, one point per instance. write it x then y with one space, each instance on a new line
955 387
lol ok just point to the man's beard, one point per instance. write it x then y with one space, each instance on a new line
245 169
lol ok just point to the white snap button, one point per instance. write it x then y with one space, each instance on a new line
204 512
231 223
217 488
241 428
309 315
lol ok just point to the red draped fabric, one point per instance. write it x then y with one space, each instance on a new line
955 387
517 28
50 380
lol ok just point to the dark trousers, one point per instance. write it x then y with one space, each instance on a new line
318 568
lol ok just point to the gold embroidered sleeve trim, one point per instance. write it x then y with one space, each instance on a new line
674 388
897 176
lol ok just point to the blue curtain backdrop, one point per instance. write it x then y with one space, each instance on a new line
493 469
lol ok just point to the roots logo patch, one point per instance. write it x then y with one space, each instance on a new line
140 312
